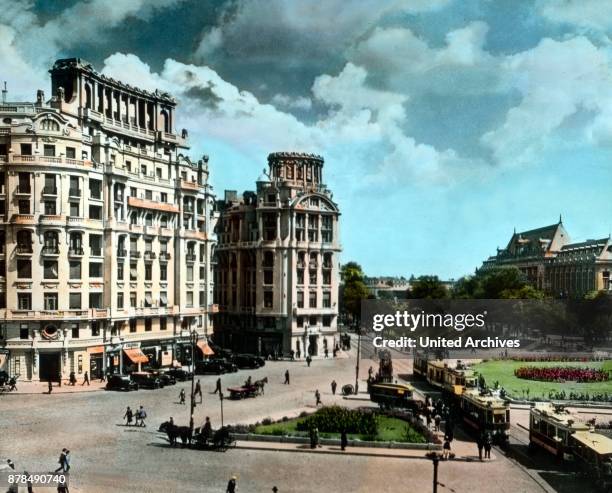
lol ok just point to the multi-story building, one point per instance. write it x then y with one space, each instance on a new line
276 272
106 230
555 265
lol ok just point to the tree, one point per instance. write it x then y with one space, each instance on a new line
427 288
353 290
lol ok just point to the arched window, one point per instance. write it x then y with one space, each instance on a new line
88 99
165 121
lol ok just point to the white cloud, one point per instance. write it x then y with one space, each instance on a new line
589 14
289 102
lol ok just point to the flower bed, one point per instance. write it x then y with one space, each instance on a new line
562 374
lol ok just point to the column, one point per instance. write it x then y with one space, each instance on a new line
137 112
260 222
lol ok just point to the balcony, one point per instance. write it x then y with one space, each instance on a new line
191 257
75 251
49 190
134 254
50 250
121 252
164 256
74 192
23 190
23 249
150 255
95 252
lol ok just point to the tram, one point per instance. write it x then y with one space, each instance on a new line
484 412
435 373
419 365
393 395
550 428
458 379
593 451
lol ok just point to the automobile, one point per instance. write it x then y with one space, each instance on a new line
229 366
248 361
179 374
209 366
164 378
146 380
120 382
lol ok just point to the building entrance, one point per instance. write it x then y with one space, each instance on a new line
49 367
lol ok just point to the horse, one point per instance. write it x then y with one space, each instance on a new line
260 384
221 438
174 432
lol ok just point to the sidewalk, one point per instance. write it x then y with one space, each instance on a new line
66 388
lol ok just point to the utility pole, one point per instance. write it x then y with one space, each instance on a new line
435 458
194 336
221 401
358 356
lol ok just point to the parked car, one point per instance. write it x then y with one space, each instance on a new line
120 382
229 366
209 366
164 378
146 380
179 374
248 361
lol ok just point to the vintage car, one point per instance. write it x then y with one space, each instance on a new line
146 380
164 378
248 361
209 366
120 382
179 374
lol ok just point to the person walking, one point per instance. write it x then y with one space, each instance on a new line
446 448
198 390
62 461
231 485
50 386
86 379
67 460
487 445
343 440
218 386
317 397
142 414
333 387
72 378
308 360
326 353
182 396
207 430
480 445
286 377
128 416
437 421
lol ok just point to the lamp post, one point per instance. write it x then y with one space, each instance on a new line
221 402
358 329
194 337
435 459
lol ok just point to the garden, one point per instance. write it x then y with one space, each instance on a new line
562 374
360 424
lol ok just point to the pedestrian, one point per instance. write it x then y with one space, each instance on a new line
333 387
428 418
487 445
50 386
317 397
326 352
142 415
480 445
128 416
67 460
370 371
274 489
292 356
72 378
86 379
231 485
218 386
343 440
308 360
182 396
446 448
198 390
286 377
28 481
12 384
437 421
62 461
298 354
207 430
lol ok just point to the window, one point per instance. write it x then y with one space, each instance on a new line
133 272
50 300
148 299
70 152
300 221
75 269
24 331
133 192
190 299
76 244
75 331
300 276
50 209
95 212
202 298
326 299
163 324
326 229
163 197
327 321
133 244
95 189
313 226
24 241
95 300
148 325
163 298
158 173
50 186
268 276
49 150
133 300
312 279
95 269
268 259
300 321
143 169
26 149
313 320
312 299
120 301
149 219
163 221
95 245
148 272
148 246
95 328
326 277
202 272
149 194
74 190
120 270
268 299
24 269
74 209
300 299
75 301
133 325
49 124
24 206
190 273
163 272
50 269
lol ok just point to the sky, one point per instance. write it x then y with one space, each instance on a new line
444 124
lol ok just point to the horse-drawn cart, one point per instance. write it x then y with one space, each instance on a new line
243 392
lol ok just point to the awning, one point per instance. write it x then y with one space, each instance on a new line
205 348
136 355
95 349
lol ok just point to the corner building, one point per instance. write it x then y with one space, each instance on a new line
106 230
276 272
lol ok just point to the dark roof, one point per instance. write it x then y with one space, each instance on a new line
585 244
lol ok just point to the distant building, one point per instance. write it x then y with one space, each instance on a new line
552 263
276 272
387 286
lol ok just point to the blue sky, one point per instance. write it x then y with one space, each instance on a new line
444 123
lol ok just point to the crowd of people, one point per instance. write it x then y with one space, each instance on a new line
562 374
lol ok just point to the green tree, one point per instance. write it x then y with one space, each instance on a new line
427 288
353 291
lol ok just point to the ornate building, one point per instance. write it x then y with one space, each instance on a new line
555 265
276 276
106 233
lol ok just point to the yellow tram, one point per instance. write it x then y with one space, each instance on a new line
393 395
594 453
486 413
419 365
550 428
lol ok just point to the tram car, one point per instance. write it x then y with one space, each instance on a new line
394 395
551 427
593 451
435 373
485 413
419 365
458 379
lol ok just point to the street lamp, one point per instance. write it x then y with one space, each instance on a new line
194 338
358 329
435 458
221 402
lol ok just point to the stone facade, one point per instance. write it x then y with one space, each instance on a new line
107 230
552 263
276 272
